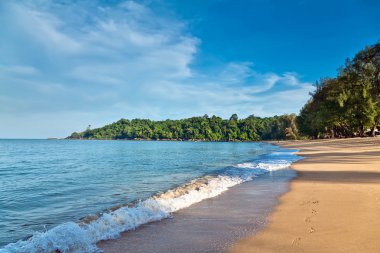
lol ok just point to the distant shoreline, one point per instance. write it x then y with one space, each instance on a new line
275 142
174 140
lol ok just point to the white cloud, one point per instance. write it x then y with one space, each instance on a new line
121 61
44 28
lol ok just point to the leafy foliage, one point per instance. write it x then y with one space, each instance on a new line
197 128
348 105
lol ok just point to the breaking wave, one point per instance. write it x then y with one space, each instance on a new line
75 237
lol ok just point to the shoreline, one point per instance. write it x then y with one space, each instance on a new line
212 225
333 204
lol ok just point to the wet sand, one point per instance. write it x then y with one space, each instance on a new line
333 204
212 225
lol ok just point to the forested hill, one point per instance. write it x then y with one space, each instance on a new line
198 128
345 106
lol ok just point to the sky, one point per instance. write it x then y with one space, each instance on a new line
65 65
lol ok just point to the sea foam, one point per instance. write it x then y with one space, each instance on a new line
82 236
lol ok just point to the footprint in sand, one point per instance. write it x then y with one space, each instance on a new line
311 230
308 219
314 202
313 211
296 241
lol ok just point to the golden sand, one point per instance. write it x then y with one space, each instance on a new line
333 205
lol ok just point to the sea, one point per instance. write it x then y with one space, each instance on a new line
67 195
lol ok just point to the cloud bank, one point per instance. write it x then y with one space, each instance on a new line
65 66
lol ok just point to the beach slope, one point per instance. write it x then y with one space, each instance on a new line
333 205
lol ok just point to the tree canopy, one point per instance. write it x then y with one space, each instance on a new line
347 105
197 128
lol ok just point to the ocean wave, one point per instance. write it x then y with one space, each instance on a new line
82 236
266 166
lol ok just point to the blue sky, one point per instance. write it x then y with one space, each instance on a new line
67 64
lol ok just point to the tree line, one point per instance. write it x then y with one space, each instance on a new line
345 106
198 128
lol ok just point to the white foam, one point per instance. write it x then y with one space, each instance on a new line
67 237
267 166
74 238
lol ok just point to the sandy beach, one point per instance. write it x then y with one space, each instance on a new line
333 204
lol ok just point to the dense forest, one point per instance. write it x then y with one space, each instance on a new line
198 128
345 106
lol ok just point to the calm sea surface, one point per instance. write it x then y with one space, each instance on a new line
44 183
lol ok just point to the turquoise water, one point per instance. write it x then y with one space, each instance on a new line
46 183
